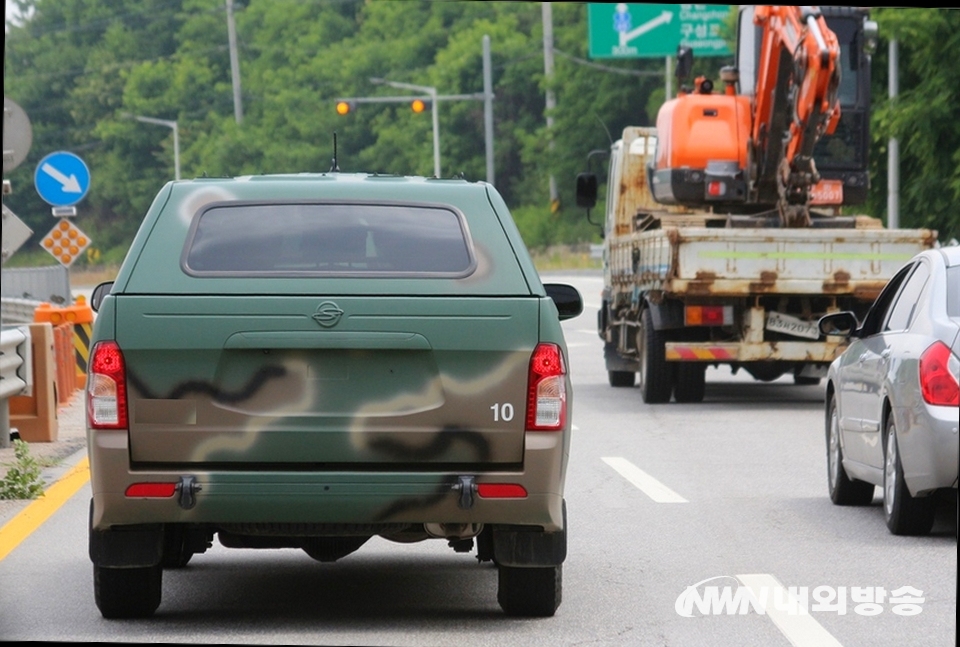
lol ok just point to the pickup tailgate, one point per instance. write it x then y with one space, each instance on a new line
332 382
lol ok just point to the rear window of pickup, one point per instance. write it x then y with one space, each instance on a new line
328 239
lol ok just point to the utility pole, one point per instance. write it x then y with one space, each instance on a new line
234 63
547 16
893 149
488 107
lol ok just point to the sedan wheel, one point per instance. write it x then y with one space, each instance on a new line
843 490
905 514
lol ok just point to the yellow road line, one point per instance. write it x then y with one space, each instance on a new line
30 518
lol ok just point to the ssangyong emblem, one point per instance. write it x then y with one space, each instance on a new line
328 314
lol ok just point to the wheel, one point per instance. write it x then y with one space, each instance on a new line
530 592
656 374
691 382
801 380
621 378
843 490
127 592
905 514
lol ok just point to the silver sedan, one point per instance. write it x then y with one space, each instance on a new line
893 396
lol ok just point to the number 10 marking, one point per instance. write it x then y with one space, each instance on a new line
502 412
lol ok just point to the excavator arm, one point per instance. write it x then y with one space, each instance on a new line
795 103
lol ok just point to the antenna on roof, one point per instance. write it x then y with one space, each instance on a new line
335 168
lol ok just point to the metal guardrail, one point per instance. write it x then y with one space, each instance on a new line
18 310
16 373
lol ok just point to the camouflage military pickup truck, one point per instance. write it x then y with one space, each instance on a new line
308 361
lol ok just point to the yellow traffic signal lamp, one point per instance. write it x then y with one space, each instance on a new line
345 107
419 105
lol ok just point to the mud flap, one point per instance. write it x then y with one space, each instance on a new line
519 546
126 547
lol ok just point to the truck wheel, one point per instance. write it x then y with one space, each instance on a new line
656 375
621 378
530 592
691 382
127 592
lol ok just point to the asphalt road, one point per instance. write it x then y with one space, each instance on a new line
660 498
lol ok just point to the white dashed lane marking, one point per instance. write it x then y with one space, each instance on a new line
643 481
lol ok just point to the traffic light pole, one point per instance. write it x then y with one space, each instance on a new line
431 95
432 92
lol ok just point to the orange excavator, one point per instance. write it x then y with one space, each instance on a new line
750 147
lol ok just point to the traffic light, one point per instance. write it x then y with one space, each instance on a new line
420 105
345 107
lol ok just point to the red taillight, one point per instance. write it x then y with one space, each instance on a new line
938 376
152 490
501 491
546 389
716 189
708 315
106 387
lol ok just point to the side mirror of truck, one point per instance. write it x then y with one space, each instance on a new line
567 299
99 292
838 323
587 190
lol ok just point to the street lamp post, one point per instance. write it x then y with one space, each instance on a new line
176 137
433 108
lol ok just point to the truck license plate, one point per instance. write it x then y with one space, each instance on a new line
788 325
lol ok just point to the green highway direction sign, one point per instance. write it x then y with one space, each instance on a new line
631 30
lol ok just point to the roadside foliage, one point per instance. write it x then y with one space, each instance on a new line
78 66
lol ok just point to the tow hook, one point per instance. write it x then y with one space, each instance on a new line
467 487
187 489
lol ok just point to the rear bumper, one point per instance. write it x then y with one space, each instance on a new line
809 351
929 441
326 497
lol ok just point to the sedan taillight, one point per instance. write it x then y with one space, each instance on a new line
938 376
546 389
106 387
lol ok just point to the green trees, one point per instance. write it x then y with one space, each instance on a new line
77 67
925 117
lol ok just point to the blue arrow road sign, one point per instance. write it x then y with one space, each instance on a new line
62 179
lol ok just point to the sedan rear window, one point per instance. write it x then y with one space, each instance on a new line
328 239
953 291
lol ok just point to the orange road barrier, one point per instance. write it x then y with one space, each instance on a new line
66 366
81 316
35 416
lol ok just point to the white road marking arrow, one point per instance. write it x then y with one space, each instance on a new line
70 184
662 19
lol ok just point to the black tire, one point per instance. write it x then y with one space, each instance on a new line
530 592
127 592
656 374
691 382
843 490
176 554
622 378
905 514
801 380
